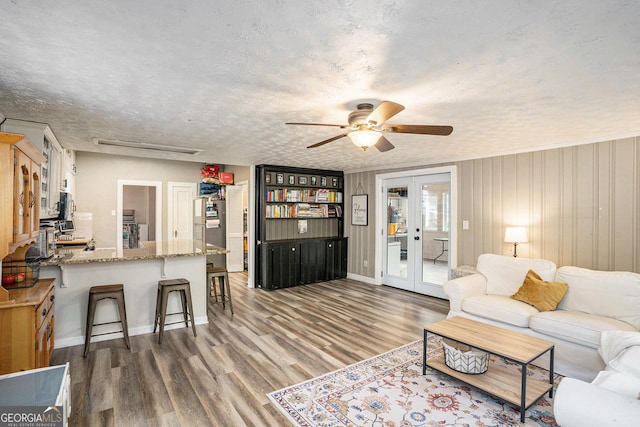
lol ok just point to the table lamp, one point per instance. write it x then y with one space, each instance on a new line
515 235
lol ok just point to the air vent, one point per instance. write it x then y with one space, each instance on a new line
147 146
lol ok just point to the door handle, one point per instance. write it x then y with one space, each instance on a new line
416 238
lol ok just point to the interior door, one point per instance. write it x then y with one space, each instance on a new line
418 229
235 228
181 210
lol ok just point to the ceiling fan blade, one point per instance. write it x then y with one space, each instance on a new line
318 124
418 129
384 112
383 144
326 141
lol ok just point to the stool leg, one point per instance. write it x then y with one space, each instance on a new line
91 311
155 320
226 281
123 319
215 290
183 300
163 312
193 322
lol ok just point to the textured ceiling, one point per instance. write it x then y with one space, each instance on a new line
225 76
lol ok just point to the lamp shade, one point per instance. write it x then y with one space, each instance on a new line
364 138
515 235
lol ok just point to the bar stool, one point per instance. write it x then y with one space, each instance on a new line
181 286
99 293
223 281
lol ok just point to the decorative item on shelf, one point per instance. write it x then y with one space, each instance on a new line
515 235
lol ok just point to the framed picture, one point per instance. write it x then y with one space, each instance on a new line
323 181
292 179
359 209
302 180
314 180
334 182
267 178
279 178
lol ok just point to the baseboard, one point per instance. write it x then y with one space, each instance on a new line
365 279
141 330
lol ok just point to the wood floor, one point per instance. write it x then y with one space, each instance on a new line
221 377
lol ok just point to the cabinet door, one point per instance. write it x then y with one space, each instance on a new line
44 342
23 192
336 260
312 261
34 201
281 266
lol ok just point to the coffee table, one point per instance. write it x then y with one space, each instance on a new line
500 381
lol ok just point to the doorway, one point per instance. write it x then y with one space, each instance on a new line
150 194
418 221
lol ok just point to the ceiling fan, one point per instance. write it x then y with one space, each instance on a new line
367 125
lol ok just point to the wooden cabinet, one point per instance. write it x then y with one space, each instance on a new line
20 192
27 325
57 169
299 226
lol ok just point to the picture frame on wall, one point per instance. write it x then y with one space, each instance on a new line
334 182
292 179
314 180
359 209
302 180
267 178
279 178
323 181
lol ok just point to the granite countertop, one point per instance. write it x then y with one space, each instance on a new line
150 250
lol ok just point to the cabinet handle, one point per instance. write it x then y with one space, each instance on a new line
52 298
32 200
44 312
293 249
21 199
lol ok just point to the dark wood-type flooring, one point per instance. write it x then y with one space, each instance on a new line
221 377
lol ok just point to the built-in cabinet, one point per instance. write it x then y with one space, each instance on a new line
57 170
299 227
27 324
19 192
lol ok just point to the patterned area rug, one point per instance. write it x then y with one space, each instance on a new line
389 390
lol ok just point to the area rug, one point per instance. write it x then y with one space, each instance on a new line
389 390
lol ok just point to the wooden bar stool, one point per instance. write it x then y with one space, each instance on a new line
223 281
99 293
181 286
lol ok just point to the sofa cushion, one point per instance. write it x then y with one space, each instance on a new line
619 382
505 274
539 293
500 308
576 327
628 362
605 293
612 343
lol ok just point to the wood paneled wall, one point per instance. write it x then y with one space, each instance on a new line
580 206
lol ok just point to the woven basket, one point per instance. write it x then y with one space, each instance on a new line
465 359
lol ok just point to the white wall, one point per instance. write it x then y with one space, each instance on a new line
97 178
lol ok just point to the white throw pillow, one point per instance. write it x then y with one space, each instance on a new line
628 361
505 274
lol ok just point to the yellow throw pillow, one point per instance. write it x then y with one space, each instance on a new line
545 296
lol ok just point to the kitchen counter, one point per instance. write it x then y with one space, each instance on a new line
139 270
150 250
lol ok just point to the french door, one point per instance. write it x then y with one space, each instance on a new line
419 224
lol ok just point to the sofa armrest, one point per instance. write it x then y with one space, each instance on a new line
463 287
581 404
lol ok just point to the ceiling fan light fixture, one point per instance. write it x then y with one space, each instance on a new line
364 138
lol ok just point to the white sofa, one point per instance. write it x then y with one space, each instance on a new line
595 301
613 397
